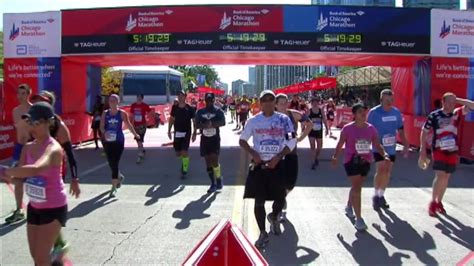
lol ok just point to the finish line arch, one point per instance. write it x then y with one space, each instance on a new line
61 51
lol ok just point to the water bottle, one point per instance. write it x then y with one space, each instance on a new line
423 164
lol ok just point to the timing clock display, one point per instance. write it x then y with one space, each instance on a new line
151 38
244 37
341 38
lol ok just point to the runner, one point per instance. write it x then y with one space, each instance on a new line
273 138
331 115
317 116
61 134
22 137
96 113
244 111
208 120
295 103
387 119
255 107
443 123
114 140
40 166
181 117
140 111
232 108
291 160
357 136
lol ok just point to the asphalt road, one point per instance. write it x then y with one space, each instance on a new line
158 218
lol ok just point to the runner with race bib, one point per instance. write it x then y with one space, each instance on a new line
273 138
358 138
387 119
208 120
114 140
317 116
139 112
444 124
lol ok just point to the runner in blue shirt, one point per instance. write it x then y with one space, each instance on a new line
387 119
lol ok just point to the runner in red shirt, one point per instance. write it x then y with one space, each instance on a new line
444 124
139 111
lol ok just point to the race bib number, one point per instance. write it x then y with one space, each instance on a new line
362 147
138 118
35 188
388 140
179 135
269 146
209 132
316 126
110 136
389 118
447 143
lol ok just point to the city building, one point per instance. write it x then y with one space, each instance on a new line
238 87
446 4
355 2
249 90
269 77
252 75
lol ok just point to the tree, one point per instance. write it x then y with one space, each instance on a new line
191 72
111 81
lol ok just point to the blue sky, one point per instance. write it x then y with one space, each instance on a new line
227 73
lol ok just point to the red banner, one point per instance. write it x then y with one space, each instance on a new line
7 140
343 116
172 19
210 90
322 83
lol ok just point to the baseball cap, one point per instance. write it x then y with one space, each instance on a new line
267 92
39 111
209 95
358 106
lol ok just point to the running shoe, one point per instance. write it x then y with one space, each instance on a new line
432 209
113 193
376 203
383 203
219 184
349 212
440 208
121 179
360 225
15 217
274 224
212 189
262 240
59 251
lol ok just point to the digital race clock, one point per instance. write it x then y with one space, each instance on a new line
150 38
342 38
244 37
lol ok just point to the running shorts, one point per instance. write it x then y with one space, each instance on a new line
317 134
445 161
210 146
291 170
45 216
357 166
141 130
182 144
378 157
264 183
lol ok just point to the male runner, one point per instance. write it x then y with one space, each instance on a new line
443 123
387 119
244 110
208 120
232 108
140 111
22 137
273 138
181 116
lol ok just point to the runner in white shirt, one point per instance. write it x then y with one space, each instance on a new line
273 138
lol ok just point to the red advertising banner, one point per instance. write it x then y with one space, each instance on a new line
172 19
343 116
7 140
449 75
210 90
311 85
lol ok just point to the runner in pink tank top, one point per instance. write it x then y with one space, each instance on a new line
40 164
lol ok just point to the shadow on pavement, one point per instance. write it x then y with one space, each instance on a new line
456 231
194 211
403 236
162 191
284 249
368 250
86 207
6 228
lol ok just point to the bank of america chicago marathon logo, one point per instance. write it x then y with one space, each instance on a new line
14 32
445 30
148 19
241 18
337 19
